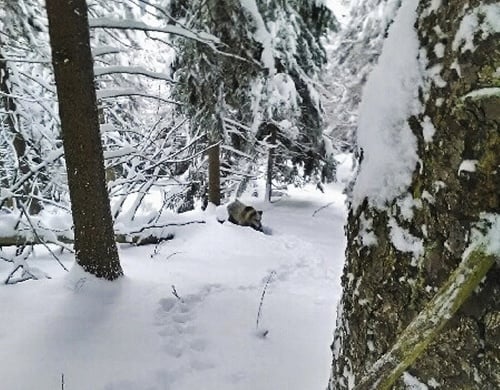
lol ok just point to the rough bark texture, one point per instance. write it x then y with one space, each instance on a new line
384 288
429 322
95 247
214 174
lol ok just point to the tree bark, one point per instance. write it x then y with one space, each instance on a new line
270 161
95 247
214 174
384 287
413 341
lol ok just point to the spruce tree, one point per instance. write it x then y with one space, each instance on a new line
95 245
262 76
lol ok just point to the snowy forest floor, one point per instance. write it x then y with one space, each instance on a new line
134 334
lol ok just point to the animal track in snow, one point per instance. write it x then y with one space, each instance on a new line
176 319
198 344
167 303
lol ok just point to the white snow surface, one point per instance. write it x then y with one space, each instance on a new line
135 334
390 96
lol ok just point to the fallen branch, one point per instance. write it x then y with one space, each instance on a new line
429 322
144 228
142 239
145 235
27 240
27 272
33 229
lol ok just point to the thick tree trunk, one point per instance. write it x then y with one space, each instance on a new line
424 328
455 184
95 247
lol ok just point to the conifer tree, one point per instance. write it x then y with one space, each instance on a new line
95 247
262 77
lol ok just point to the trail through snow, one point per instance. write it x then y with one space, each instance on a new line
134 334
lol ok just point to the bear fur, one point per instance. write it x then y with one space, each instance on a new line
243 215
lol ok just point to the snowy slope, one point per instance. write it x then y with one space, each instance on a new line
135 334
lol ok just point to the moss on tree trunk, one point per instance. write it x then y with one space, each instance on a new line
384 288
413 341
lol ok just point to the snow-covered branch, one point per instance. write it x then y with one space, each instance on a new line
133 70
127 24
113 93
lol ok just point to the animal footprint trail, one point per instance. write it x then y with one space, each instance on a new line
176 318
302 260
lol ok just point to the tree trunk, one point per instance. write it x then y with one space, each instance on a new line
455 184
8 125
18 142
270 161
214 174
95 247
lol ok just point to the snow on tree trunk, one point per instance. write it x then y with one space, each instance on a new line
429 129
270 163
95 247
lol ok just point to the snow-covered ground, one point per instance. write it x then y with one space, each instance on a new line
134 334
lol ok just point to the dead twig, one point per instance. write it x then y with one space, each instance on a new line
259 312
321 208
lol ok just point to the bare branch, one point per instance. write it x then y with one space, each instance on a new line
33 229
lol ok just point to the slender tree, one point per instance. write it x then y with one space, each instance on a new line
27 124
421 288
95 247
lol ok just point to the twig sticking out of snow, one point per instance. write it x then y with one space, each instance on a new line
264 332
322 207
174 293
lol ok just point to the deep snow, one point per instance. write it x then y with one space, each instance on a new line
135 334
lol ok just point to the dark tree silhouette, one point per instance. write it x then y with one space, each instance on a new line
95 247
